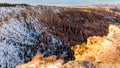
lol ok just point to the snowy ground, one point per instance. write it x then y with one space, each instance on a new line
17 38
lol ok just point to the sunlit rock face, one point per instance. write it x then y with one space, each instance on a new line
51 62
39 62
114 33
103 51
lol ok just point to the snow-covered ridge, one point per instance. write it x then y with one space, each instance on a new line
18 36
12 35
23 34
15 29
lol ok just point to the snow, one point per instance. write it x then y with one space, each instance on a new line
18 38
56 11
54 41
56 65
8 54
34 65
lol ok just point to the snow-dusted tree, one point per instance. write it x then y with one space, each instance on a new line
11 15
25 15
29 7
7 19
2 21
19 17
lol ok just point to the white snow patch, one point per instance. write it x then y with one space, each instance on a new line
54 65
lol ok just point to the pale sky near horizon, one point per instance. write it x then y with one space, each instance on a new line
73 2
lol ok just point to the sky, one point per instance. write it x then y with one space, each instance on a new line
71 2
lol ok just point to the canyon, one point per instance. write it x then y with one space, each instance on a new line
52 32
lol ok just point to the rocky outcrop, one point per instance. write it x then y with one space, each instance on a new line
103 51
39 62
114 33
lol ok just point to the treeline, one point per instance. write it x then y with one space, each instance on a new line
11 5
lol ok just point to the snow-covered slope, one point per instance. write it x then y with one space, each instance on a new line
18 37
15 38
